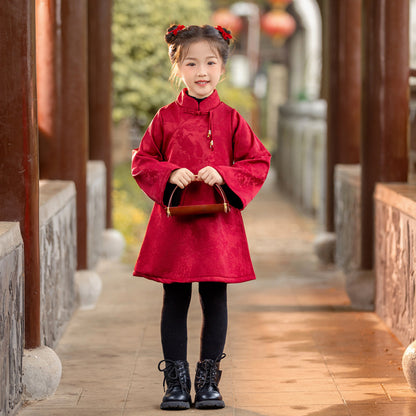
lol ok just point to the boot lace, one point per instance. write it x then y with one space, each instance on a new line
174 374
209 374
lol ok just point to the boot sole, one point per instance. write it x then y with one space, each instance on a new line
175 405
210 404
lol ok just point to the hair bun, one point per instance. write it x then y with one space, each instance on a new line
225 33
172 33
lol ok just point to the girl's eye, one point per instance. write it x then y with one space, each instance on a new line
211 63
190 64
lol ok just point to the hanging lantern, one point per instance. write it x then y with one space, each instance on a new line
227 19
280 3
278 23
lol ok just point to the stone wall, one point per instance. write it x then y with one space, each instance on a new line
96 206
301 153
11 317
58 257
395 262
348 217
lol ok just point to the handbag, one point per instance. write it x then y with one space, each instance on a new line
184 210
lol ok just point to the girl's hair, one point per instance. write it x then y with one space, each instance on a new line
179 38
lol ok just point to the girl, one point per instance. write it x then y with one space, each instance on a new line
195 143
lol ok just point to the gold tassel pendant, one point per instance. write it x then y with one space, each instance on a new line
211 141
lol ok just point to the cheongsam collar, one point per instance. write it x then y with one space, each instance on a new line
205 106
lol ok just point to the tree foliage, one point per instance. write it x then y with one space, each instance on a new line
141 67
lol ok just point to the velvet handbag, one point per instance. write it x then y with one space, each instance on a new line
199 209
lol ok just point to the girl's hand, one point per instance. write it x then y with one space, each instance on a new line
182 177
210 176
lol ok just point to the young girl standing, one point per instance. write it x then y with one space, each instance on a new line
195 143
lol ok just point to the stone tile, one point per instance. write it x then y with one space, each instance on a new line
67 401
155 411
391 385
46 411
376 409
287 398
294 410
103 400
136 399
358 383
402 396
374 395
368 371
288 373
285 385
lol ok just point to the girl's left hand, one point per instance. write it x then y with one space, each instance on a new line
210 176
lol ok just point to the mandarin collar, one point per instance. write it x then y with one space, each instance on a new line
206 105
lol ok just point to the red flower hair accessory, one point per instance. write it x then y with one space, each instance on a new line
224 34
177 29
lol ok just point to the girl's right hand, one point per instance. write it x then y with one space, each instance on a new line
181 177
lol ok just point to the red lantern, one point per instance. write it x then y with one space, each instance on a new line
278 24
224 18
280 3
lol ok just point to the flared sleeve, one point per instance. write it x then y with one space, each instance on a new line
244 178
149 168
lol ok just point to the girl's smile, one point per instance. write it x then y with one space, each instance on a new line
201 69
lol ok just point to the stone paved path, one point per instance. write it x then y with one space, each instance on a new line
294 346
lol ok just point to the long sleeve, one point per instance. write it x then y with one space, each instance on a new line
251 165
149 168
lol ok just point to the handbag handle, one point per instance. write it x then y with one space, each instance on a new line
216 186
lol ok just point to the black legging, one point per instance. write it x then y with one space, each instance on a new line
176 300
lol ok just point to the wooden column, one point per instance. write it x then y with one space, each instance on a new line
19 167
100 89
343 91
49 91
62 73
385 105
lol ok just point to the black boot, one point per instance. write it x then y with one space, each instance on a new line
178 381
207 377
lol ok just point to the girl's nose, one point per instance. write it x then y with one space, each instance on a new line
201 71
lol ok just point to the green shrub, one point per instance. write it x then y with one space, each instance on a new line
141 66
131 209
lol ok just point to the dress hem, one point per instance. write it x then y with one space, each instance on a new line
197 279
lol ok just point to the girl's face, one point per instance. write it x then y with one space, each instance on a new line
201 69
